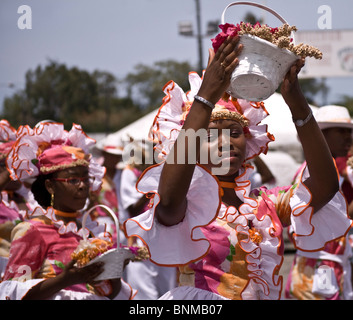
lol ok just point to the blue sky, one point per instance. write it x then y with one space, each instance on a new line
115 35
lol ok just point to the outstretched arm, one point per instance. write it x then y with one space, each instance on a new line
323 181
175 178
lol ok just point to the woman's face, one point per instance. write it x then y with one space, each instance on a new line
339 140
69 195
226 147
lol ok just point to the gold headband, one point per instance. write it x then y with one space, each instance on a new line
229 115
218 114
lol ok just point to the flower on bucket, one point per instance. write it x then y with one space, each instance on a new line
280 37
140 253
88 249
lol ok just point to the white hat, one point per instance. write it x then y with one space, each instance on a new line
333 116
111 145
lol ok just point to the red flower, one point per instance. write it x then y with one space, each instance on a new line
227 30
232 30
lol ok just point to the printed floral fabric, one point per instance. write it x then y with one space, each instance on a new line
235 254
331 267
9 217
40 249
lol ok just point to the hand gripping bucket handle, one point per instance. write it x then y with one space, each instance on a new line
278 16
116 221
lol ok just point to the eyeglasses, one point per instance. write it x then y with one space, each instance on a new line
75 181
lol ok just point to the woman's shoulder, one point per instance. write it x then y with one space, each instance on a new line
33 225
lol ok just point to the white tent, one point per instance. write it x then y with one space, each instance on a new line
280 122
137 130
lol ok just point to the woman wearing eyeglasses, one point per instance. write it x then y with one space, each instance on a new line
42 247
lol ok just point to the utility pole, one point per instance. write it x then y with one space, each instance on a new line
198 35
186 29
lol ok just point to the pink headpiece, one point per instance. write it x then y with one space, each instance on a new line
7 138
48 148
175 108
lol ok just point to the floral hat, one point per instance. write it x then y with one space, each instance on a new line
48 148
175 108
7 138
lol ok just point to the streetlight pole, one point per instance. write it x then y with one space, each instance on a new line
186 29
199 36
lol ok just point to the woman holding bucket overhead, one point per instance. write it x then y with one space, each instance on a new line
41 264
204 218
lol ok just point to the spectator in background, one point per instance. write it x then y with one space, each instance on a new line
346 180
42 247
304 278
150 280
16 200
262 174
111 151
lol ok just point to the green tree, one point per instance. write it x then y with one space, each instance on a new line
72 95
69 95
346 101
146 83
53 92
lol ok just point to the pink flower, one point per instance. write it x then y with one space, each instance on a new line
232 30
227 30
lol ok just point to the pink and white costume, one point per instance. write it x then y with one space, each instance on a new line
222 252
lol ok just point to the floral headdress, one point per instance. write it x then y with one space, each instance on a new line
48 148
7 138
175 108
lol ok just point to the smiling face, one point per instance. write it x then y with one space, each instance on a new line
226 147
69 195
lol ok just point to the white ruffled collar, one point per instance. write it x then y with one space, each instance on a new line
263 232
98 230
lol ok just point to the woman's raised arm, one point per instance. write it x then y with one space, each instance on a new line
323 181
175 178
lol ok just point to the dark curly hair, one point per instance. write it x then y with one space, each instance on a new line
40 192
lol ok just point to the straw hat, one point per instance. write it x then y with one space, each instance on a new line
332 116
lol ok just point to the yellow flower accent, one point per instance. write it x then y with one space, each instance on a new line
89 249
255 236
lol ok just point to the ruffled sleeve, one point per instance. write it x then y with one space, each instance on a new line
184 242
27 252
313 231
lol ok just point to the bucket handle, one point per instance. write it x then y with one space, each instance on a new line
278 16
84 219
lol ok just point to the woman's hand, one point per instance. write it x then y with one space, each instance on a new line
290 88
73 275
219 70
